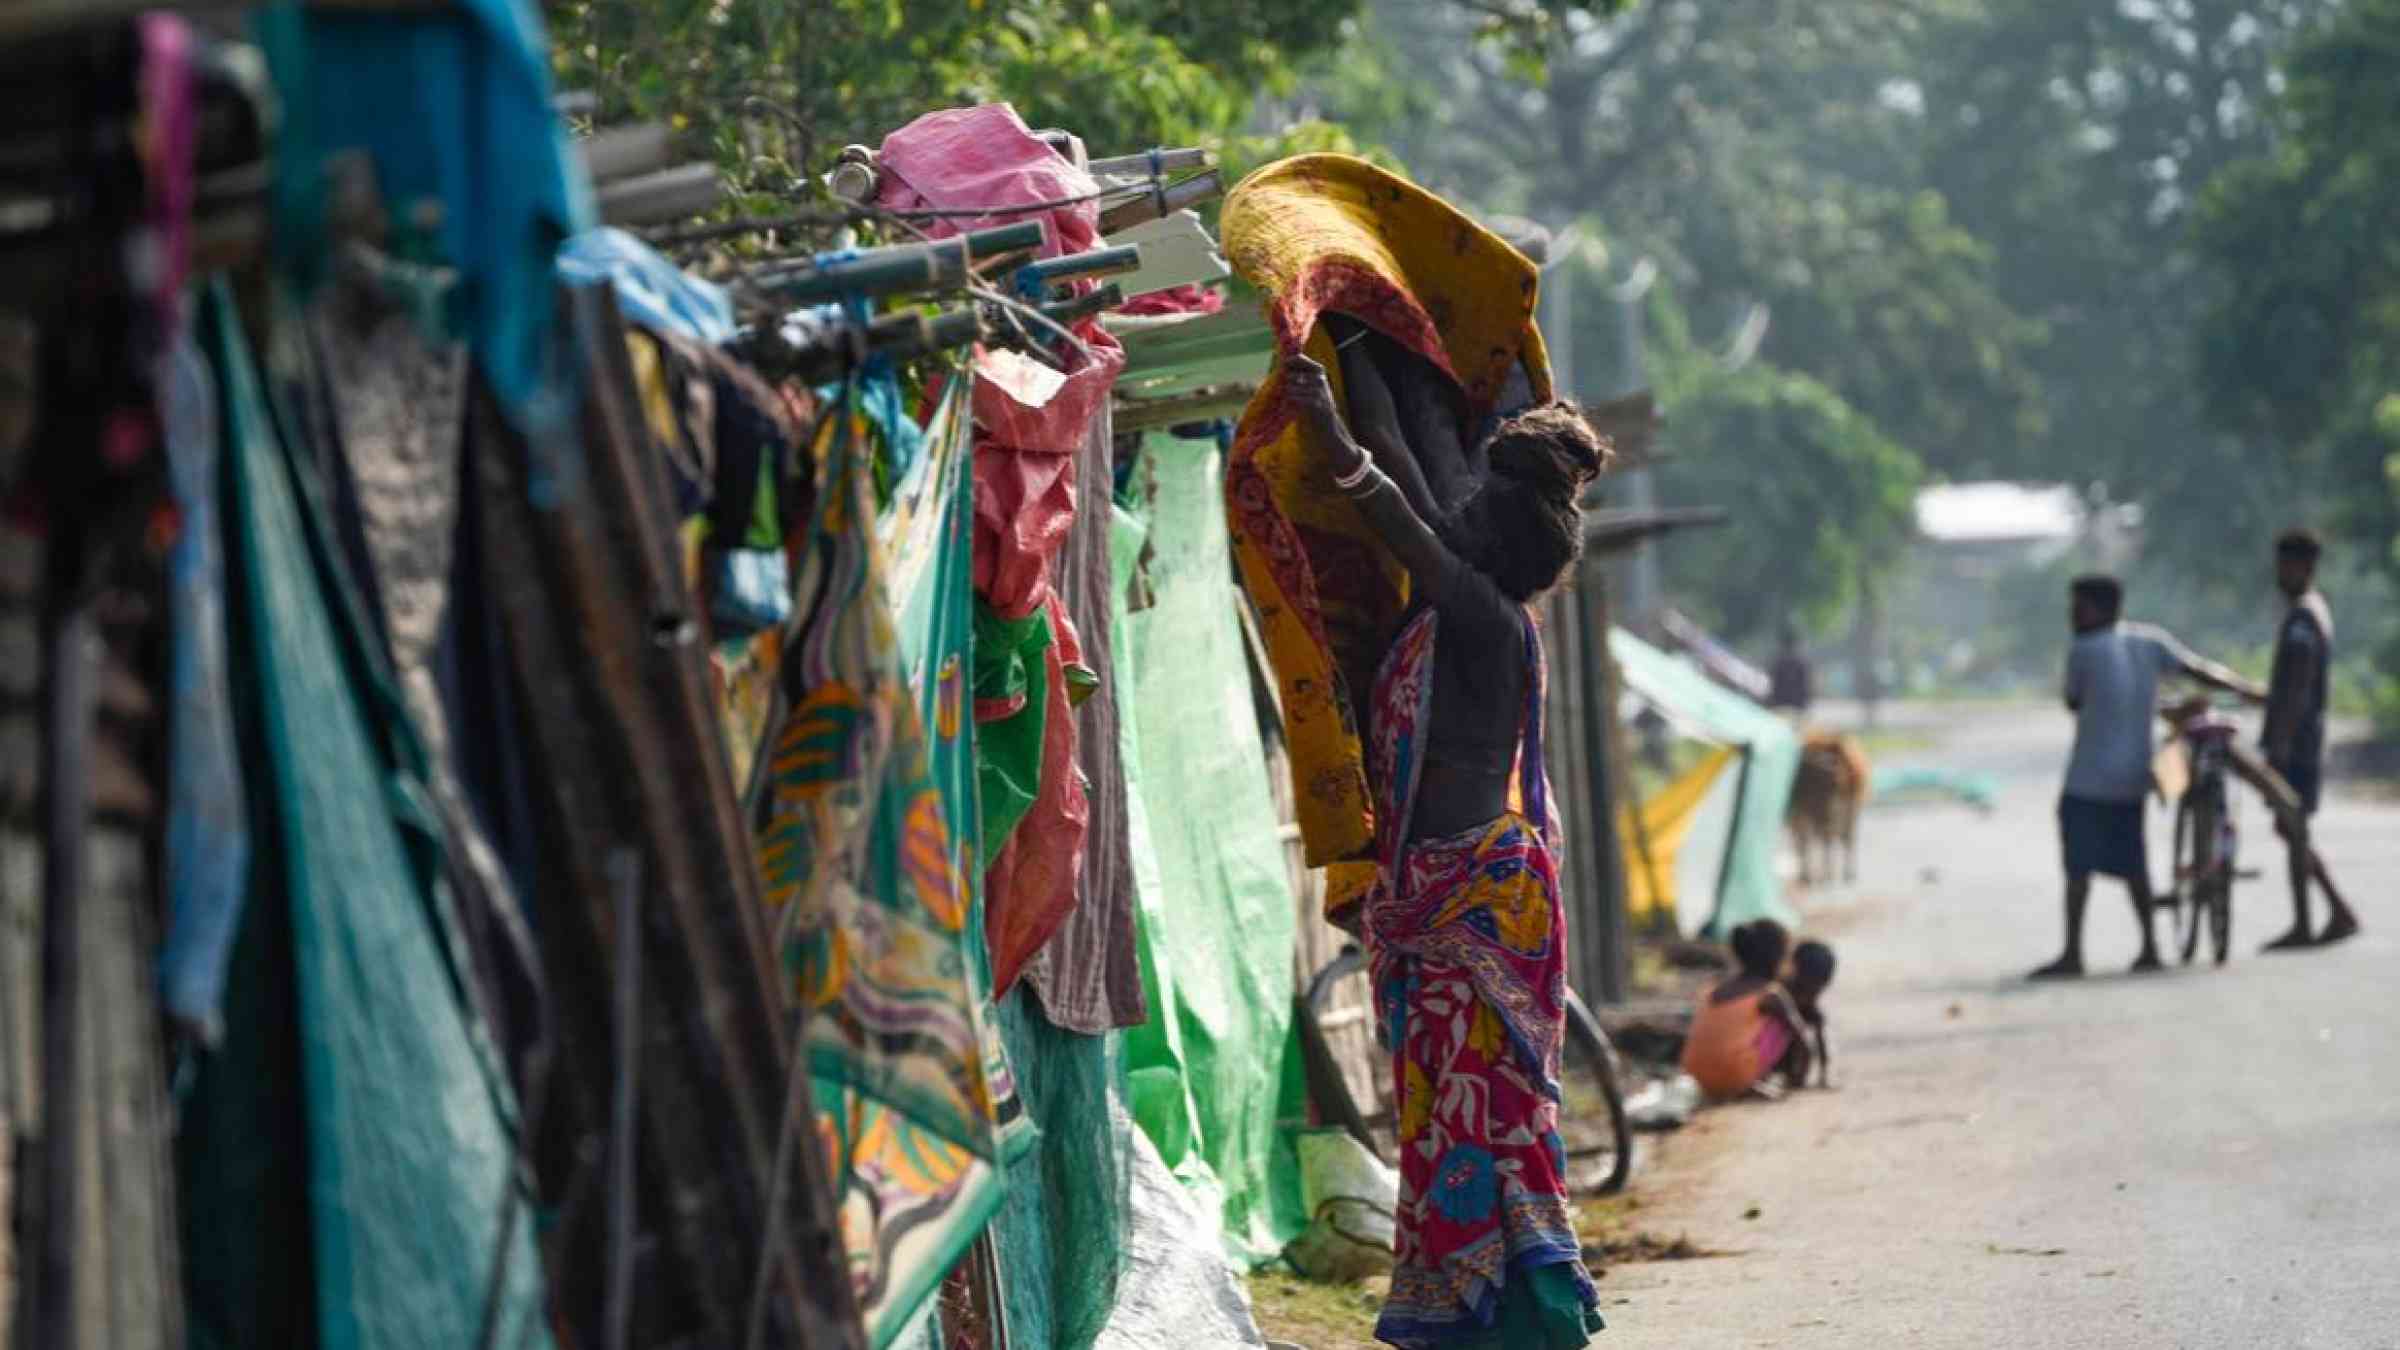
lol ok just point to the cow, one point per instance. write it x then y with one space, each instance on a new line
1827 795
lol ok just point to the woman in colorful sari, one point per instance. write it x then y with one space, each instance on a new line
1463 922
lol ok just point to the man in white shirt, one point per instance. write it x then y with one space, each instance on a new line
2112 688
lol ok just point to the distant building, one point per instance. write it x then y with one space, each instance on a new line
1978 546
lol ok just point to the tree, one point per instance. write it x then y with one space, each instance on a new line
775 88
2074 139
1824 501
1761 151
2298 341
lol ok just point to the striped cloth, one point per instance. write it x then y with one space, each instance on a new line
1088 977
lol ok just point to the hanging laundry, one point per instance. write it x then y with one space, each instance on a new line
652 291
394 401
1031 883
863 869
410 1153
679 405
925 532
1028 434
208 829
453 105
1175 300
627 760
1089 976
1012 704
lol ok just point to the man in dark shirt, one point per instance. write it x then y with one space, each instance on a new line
2295 733
1788 684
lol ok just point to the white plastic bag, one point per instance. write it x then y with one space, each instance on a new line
1351 1198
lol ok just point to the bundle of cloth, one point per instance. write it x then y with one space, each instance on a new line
1333 233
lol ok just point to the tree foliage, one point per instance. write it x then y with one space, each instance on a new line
2298 343
1824 501
775 87
2075 139
1759 152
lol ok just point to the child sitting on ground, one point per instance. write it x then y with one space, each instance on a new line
1746 1027
1812 972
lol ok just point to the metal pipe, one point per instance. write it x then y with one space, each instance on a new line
625 874
70 657
1150 162
1106 298
897 268
1168 200
1033 277
896 336
656 198
873 272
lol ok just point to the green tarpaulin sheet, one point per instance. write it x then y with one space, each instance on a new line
1747 887
1215 1073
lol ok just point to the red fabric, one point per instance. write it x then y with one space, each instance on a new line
1030 888
974 158
967 158
1025 479
1188 299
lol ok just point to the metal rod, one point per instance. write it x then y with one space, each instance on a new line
1166 201
656 198
1100 262
896 336
904 270
787 1137
625 873
68 659
1106 298
896 269
1151 161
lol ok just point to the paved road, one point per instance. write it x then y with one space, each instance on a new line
2205 1158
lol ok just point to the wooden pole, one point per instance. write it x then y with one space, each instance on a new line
1610 980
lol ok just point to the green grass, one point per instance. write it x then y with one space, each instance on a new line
1342 1316
1317 1316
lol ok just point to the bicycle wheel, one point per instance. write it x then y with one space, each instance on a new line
2195 868
2183 891
1591 1115
1333 1000
2220 910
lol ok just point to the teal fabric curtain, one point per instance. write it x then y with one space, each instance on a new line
405 1127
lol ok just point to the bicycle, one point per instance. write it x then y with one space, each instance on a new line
2207 840
1591 1118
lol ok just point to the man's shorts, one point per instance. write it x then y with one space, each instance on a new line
2307 777
2103 837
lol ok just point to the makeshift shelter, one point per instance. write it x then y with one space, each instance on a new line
1769 749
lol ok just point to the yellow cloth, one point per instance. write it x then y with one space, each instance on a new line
1665 820
1329 232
